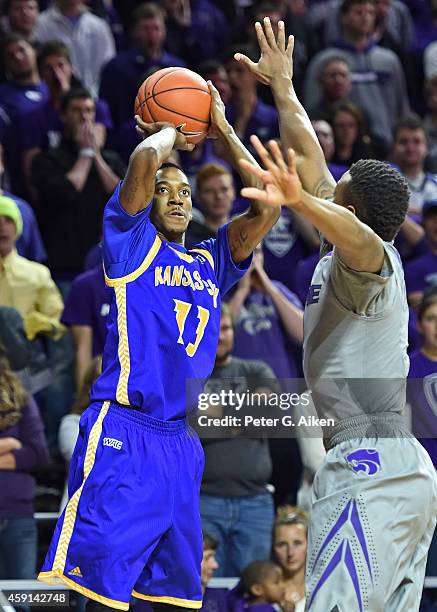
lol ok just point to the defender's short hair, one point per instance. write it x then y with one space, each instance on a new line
380 196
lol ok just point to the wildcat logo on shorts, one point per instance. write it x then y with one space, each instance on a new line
112 442
364 460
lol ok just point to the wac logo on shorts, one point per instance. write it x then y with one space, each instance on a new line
112 442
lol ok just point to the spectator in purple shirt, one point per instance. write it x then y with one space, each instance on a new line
261 588
42 128
85 312
122 75
422 392
22 449
19 95
421 273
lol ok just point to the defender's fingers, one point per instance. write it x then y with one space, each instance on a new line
240 57
291 159
276 153
262 152
281 36
290 47
254 170
270 35
262 41
252 193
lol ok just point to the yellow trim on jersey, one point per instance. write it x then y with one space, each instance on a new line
54 577
206 254
71 508
183 256
123 346
113 282
175 601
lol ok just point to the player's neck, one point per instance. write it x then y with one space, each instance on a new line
176 238
430 352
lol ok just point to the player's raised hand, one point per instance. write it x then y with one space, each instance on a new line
147 129
219 123
280 180
276 55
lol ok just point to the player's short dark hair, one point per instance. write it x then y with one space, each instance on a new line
170 165
147 10
53 47
429 299
410 122
380 196
73 94
255 573
209 542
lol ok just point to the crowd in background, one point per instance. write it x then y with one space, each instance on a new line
366 72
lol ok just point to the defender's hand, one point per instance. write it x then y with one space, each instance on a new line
281 182
276 57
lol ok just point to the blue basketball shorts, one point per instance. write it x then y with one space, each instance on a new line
132 523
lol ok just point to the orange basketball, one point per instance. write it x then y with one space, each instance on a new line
178 96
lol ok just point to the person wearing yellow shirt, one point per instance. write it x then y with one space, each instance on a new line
26 285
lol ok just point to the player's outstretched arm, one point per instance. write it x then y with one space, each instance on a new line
138 185
275 68
358 245
248 229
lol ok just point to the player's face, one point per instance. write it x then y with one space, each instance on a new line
340 193
8 234
273 587
208 567
20 60
172 205
336 80
226 338
410 147
290 548
23 14
52 67
216 196
428 326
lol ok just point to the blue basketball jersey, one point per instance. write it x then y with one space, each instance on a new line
164 317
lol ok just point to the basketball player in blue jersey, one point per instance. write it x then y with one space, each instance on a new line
375 497
132 523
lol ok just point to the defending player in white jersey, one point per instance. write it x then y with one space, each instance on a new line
375 496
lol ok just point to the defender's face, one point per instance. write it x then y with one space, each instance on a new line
171 211
340 192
